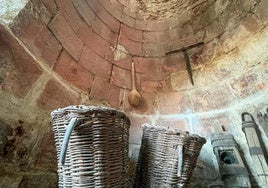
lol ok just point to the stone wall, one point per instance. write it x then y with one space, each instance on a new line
60 53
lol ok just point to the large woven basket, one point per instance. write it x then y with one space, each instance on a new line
92 146
167 157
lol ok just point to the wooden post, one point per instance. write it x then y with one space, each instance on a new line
255 150
231 166
263 121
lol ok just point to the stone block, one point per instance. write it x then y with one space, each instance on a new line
70 14
84 11
156 36
151 86
155 50
121 77
51 6
92 62
252 24
211 99
56 96
133 47
124 63
93 41
128 20
105 92
246 85
72 72
180 81
46 47
184 42
173 62
173 103
150 68
151 25
64 33
108 18
26 26
104 31
22 70
131 33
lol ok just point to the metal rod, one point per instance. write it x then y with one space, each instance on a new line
185 48
188 66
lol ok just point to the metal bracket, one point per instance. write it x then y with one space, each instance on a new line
186 58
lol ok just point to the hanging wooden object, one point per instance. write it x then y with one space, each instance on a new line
249 128
231 166
134 97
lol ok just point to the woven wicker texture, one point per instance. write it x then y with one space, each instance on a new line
158 159
97 153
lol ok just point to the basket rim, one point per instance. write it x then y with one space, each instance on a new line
83 109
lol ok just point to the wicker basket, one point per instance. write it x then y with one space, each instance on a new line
92 146
167 157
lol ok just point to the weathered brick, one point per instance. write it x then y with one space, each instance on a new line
151 25
177 33
124 63
246 84
72 72
46 47
70 14
56 96
180 81
126 19
135 48
95 42
104 31
105 16
84 10
252 23
23 70
115 10
95 5
121 77
155 50
95 64
131 33
128 11
173 62
173 103
184 42
26 26
156 36
205 100
105 92
66 36
152 86
150 68
51 6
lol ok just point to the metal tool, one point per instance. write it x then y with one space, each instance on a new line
186 58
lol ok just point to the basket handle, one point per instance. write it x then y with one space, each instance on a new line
180 159
66 139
